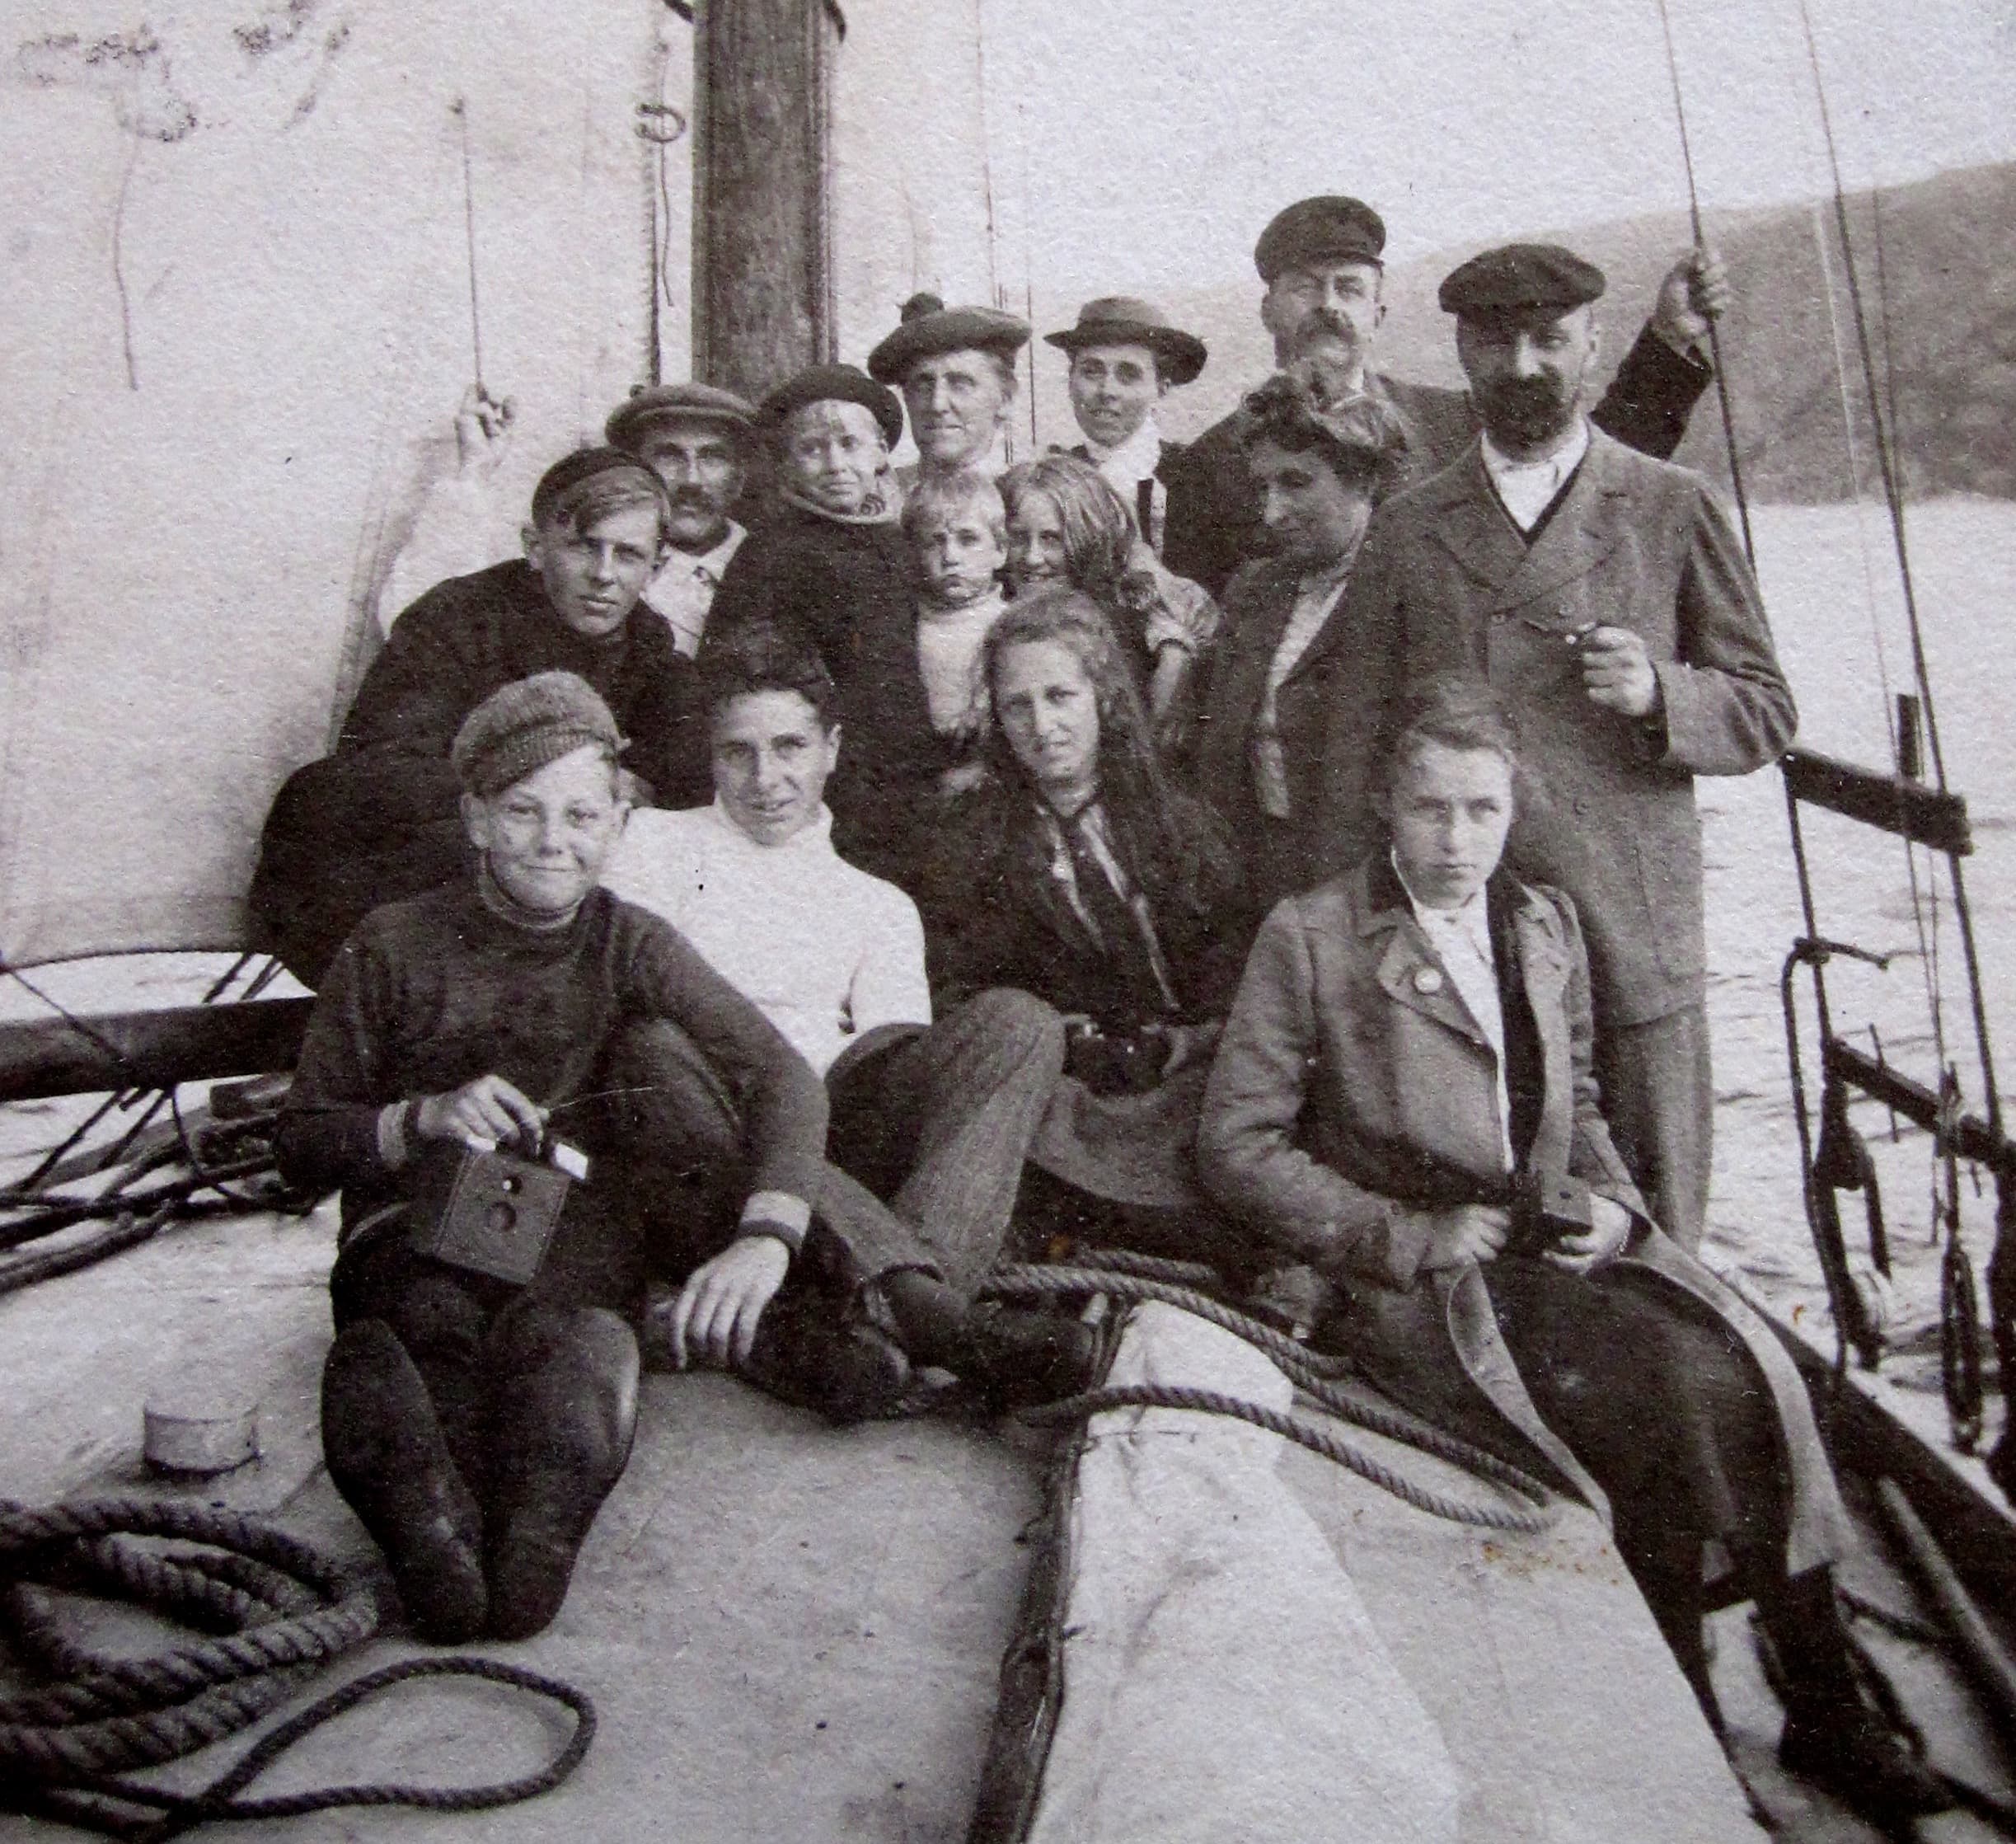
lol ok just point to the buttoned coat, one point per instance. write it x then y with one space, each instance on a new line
1352 1088
1446 582
1213 519
1281 857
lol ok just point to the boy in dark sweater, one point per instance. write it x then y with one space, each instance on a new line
475 1423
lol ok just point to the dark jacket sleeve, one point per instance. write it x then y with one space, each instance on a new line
328 1133
1652 397
422 684
1728 707
781 1103
1248 1153
1212 520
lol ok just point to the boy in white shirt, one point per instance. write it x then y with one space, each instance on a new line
936 1118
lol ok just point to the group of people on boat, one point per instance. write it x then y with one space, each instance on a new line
734 934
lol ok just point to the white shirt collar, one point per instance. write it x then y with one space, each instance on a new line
710 563
1134 460
816 838
1557 463
1471 918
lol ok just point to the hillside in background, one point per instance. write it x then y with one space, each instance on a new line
1942 309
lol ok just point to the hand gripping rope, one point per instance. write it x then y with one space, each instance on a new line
1133 1278
282 1610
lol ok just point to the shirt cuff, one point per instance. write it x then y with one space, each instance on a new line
780 1214
396 1134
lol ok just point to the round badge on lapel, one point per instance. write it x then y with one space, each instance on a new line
1428 979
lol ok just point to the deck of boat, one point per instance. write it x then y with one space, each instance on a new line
793 1631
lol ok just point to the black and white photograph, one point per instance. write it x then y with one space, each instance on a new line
1008 921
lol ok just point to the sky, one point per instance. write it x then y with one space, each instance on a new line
1172 128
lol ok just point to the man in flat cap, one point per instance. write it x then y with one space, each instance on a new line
377 820
694 436
956 370
1323 261
1604 596
1126 356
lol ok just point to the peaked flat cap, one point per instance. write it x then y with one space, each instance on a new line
837 383
1520 277
929 326
521 726
1330 227
684 403
1125 320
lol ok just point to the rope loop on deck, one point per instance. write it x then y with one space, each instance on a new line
1315 1373
282 1611
1305 1432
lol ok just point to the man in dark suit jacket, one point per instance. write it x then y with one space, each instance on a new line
1604 594
1126 356
1321 260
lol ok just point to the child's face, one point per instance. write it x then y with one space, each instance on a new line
834 451
1035 542
546 836
960 558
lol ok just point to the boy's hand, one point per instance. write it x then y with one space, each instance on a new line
716 1314
1610 1228
481 1115
1463 1232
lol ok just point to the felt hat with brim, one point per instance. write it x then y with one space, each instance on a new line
836 384
1328 228
648 405
1124 320
521 727
929 328
1520 279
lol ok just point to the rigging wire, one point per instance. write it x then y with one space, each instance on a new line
1893 494
1714 336
459 108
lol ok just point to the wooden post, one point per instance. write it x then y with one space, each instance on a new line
762 256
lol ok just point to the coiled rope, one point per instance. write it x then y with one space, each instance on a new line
282 1611
1315 1374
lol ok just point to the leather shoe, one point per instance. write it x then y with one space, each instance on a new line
1850 1752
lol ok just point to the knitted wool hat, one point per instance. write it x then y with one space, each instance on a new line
522 726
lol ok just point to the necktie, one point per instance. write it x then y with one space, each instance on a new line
1123 927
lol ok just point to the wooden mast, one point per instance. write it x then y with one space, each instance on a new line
762 242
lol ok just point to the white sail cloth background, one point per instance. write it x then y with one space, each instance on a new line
236 317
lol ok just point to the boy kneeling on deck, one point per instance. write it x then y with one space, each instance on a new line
480 1399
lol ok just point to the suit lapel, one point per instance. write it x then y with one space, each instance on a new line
1586 527
1036 873
1473 527
1409 973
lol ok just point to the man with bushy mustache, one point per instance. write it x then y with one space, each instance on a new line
1606 598
1323 261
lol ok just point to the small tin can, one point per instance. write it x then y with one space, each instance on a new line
193 1429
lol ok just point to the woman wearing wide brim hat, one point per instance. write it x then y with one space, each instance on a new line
956 370
1126 356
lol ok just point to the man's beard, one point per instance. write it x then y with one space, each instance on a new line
1526 411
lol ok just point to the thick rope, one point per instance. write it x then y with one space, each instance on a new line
1312 1374
161 1815
291 1610
1317 1439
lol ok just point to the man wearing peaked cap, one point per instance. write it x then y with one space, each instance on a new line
1604 596
1323 261
1126 356
376 819
956 370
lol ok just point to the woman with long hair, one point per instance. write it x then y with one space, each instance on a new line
1077 871
1067 524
